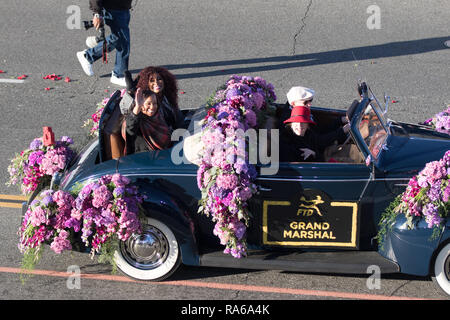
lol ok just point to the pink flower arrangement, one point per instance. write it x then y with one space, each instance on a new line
36 165
440 122
427 194
103 211
225 176
93 122
106 209
45 221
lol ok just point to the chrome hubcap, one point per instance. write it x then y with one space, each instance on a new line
147 250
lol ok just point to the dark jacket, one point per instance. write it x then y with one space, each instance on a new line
97 5
135 142
290 144
134 136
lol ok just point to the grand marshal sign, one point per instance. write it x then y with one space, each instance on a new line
311 220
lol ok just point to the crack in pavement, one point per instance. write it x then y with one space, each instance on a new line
237 293
302 27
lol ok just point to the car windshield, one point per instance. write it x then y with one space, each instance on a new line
372 129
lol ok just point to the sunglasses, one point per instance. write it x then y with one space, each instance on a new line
308 101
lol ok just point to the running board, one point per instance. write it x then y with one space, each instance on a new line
353 262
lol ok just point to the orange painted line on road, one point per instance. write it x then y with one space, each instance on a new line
215 285
13 197
14 203
10 205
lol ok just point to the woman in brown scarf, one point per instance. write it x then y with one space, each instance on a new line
145 128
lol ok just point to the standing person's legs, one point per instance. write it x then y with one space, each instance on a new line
95 53
120 37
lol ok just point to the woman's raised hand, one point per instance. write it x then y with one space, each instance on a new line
138 102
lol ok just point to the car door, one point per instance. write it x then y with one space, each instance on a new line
314 205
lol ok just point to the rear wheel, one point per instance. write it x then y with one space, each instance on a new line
151 255
442 269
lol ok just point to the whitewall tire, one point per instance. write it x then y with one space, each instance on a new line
442 269
152 255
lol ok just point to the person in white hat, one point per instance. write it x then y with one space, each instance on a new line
311 142
300 96
297 96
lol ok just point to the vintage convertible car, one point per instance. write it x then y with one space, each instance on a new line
309 217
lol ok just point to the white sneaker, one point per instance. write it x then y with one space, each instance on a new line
119 81
85 64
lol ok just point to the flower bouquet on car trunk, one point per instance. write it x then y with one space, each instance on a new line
37 164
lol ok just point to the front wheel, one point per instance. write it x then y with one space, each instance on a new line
442 269
152 255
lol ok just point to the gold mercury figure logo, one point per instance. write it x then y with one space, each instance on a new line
308 207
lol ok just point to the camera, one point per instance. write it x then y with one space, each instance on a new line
94 40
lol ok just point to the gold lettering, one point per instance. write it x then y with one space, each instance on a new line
287 234
308 230
328 236
305 212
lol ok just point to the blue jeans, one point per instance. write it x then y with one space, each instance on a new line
119 39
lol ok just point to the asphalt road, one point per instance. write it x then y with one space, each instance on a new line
326 45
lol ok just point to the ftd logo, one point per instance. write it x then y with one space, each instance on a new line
308 207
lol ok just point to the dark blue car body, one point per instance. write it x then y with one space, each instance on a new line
340 236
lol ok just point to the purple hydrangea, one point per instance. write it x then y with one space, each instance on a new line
225 161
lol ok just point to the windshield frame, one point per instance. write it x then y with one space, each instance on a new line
378 110
372 150
371 130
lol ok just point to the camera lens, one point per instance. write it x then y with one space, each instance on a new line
88 24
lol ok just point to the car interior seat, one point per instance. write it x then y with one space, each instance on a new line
112 143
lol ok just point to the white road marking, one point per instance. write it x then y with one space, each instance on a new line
11 81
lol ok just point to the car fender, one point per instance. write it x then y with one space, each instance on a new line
413 249
160 206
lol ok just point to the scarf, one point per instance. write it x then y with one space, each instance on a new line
154 131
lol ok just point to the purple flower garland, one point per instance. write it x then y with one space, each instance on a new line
225 176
